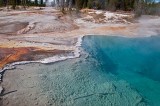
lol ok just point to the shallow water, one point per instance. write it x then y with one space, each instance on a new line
112 71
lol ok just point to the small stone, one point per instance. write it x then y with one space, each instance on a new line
36 103
0 77
30 94
1 89
6 102
35 98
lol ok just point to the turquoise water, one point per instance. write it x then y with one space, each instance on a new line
135 60
112 71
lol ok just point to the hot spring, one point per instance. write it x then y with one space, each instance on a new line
111 71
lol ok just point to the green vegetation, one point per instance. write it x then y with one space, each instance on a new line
24 3
138 6
149 8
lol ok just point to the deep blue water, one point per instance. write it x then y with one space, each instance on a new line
135 60
111 71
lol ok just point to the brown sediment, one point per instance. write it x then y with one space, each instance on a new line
12 28
10 55
112 28
122 30
29 13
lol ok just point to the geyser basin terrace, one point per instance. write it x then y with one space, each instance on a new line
39 35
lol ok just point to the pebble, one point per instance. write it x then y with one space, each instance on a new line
36 103
1 89
0 77
30 94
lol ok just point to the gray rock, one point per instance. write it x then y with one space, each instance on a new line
1 89
0 77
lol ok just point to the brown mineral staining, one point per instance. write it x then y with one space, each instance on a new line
113 28
10 55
